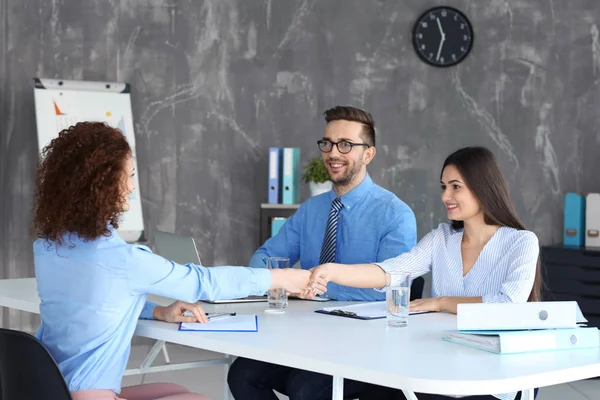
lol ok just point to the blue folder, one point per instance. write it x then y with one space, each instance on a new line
276 224
291 175
574 220
275 174
238 323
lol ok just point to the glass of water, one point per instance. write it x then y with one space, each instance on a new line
397 298
277 298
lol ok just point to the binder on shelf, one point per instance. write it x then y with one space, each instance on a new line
291 175
515 316
275 176
525 341
592 220
574 220
276 224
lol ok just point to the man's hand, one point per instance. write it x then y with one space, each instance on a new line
319 277
174 313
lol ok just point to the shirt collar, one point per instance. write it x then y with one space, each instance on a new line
356 194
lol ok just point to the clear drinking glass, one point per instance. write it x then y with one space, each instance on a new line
397 298
277 298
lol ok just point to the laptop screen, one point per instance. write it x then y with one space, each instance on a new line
181 249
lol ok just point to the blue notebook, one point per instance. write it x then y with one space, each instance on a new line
238 323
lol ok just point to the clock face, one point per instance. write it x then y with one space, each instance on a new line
442 36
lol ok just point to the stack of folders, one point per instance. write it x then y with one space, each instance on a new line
284 175
582 220
505 328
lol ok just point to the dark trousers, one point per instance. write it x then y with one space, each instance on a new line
256 380
374 392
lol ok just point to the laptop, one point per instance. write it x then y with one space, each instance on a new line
183 250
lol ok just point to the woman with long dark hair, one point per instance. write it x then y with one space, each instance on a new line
484 255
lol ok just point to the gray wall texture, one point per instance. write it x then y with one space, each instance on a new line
215 83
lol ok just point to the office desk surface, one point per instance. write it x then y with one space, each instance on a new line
413 358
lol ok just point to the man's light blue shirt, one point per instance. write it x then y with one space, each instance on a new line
374 225
93 293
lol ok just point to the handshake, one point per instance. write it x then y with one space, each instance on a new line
305 284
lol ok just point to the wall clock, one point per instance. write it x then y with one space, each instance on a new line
442 36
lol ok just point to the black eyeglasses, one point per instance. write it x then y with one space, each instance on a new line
343 146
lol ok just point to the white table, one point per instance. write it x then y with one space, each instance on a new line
414 359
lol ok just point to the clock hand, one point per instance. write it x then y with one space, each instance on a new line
441 30
439 50
441 41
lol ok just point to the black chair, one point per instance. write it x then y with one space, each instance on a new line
27 370
416 288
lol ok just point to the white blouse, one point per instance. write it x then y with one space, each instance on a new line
504 272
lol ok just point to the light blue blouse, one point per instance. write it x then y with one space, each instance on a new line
93 293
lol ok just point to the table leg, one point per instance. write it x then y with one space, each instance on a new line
152 353
410 395
166 354
338 388
527 394
227 393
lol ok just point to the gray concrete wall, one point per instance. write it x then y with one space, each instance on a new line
215 83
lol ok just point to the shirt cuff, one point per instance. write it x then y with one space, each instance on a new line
261 281
148 310
382 266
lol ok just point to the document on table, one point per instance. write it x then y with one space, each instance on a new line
371 310
238 323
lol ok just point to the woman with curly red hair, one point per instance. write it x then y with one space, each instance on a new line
93 285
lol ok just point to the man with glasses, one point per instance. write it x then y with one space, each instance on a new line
356 222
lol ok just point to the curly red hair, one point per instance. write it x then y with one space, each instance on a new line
80 182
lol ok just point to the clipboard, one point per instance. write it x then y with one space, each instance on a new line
365 311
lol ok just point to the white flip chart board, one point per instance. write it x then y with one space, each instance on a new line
62 103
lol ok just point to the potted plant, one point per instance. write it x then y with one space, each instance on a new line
315 174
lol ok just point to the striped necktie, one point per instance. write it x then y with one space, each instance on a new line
329 243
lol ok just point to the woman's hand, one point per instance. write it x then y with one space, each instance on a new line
293 280
174 313
433 304
319 277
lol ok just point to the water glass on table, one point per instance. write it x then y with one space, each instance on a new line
397 298
277 298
